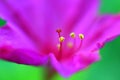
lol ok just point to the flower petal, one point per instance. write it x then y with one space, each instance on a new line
22 56
15 47
104 30
74 64
88 17
21 14
40 18
83 18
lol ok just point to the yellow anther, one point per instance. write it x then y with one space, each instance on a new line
81 36
72 35
70 44
61 39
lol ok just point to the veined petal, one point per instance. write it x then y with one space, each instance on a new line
88 17
105 29
85 18
22 14
75 63
22 56
15 47
39 19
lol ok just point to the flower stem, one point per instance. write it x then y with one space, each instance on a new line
49 73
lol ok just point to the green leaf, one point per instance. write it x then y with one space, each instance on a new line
2 22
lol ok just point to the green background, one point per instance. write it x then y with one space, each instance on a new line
108 68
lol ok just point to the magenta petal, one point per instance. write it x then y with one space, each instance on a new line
74 64
88 17
83 19
15 47
29 16
33 32
44 17
105 29
22 56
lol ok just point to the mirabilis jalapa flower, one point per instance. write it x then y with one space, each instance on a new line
66 34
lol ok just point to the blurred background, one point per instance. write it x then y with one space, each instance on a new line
108 68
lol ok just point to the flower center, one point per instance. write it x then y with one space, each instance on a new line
71 45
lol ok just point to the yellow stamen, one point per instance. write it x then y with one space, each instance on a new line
81 36
61 39
72 35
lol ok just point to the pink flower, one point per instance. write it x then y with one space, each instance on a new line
66 34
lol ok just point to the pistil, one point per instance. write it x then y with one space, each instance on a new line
61 40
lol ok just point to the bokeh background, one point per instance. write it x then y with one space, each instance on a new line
108 68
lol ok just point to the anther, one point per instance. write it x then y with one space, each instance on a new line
61 39
81 36
59 30
72 35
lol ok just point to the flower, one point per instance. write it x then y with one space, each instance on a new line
67 34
